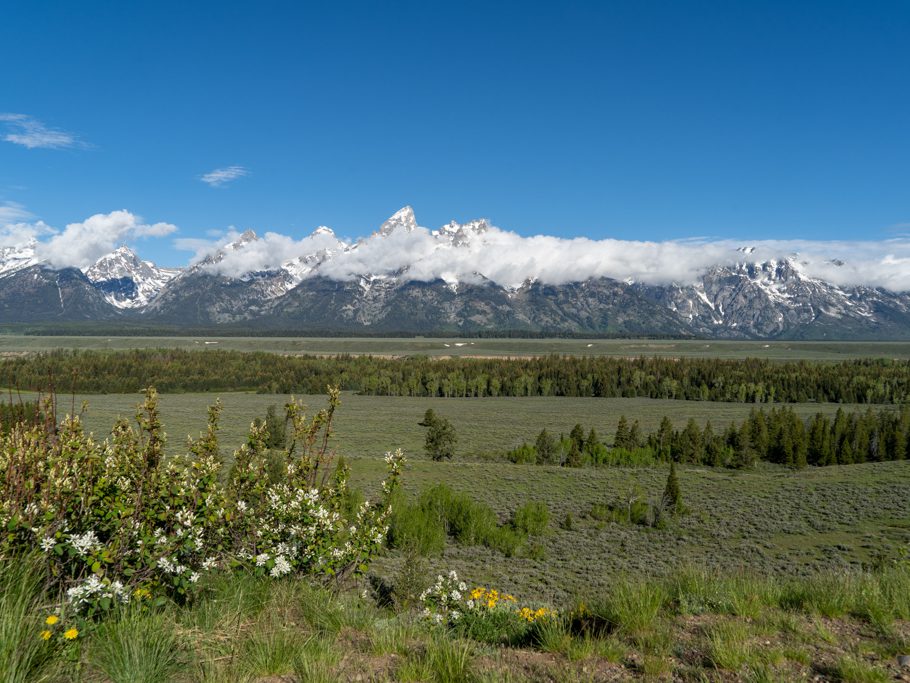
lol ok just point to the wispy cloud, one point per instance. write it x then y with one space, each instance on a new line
222 176
29 132
13 212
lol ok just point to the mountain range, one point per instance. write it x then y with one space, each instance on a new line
771 299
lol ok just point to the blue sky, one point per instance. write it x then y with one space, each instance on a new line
629 120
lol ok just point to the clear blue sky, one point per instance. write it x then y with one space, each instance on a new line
633 120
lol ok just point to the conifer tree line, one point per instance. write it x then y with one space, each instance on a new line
777 435
743 381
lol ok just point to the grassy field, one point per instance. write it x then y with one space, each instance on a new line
372 425
689 627
777 350
769 519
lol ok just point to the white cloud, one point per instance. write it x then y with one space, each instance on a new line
29 132
81 244
222 176
509 259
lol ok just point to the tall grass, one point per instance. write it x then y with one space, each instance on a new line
24 656
136 647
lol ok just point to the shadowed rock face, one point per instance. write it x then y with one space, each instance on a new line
37 294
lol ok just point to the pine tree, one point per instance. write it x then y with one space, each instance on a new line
577 436
665 439
546 448
441 439
635 440
672 498
622 439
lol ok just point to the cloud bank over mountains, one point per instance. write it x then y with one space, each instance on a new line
470 252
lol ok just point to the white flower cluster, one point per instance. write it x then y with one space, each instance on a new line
85 544
93 589
443 601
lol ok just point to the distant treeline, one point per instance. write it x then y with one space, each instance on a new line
700 379
778 435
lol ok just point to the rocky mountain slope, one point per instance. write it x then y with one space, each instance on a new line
380 284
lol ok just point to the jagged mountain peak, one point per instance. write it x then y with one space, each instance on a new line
245 238
125 280
403 219
461 234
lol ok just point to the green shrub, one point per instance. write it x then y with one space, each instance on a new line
524 454
531 518
117 521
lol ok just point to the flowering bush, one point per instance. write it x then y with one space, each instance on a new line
117 522
484 614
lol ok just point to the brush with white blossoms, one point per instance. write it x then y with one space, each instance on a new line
115 520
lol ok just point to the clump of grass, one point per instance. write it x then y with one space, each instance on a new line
450 661
269 649
698 591
315 660
631 606
729 646
551 635
23 655
851 670
136 648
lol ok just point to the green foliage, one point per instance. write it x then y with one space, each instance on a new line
672 498
275 435
524 454
441 439
749 380
779 436
119 523
531 519
547 448
13 413
422 527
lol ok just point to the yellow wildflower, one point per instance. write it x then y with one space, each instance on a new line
71 633
142 593
46 635
477 593
51 620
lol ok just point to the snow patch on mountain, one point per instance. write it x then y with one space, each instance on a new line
16 258
126 280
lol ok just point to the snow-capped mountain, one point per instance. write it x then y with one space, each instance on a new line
16 258
407 278
126 280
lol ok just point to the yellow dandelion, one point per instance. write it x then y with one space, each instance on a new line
46 635
51 620
71 633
